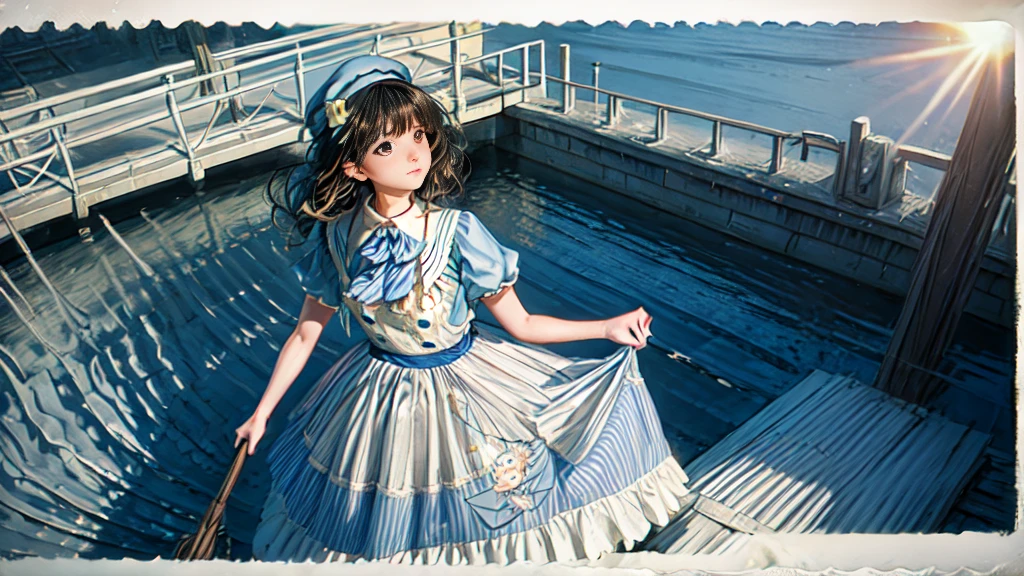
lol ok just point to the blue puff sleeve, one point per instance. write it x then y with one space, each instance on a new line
316 270
486 266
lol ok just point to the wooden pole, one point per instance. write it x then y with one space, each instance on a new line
946 267
860 127
563 51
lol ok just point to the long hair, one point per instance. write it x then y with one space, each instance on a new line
318 189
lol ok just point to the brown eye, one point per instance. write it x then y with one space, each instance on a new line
384 149
418 135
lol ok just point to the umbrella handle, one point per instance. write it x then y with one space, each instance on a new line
207 530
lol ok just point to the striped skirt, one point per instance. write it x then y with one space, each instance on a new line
497 453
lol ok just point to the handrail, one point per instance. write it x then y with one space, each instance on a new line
242 51
174 110
157 91
924 156
93 90
179 67
482 57
685 111
433 44
515 48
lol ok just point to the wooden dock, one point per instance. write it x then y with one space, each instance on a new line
830 456
68 153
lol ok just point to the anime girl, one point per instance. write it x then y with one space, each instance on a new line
436 439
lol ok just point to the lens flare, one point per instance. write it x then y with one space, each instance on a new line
988 37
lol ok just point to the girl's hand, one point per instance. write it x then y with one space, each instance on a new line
253 429
631 328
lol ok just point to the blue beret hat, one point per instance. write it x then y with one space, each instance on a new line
348 78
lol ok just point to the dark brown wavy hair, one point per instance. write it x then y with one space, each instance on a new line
318 189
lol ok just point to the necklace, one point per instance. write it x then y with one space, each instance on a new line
400 214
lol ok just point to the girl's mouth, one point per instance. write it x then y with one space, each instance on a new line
416 171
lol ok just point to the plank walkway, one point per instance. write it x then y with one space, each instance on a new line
832 455
151 154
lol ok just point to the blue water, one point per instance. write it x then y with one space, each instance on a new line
120 390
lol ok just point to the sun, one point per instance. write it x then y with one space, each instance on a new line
989 37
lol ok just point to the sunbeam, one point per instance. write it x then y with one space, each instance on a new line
978 41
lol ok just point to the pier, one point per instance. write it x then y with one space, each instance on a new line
770 444
64 154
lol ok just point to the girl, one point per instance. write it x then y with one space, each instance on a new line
435 439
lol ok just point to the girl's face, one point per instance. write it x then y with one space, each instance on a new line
396 165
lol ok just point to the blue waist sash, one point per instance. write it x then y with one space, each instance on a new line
432 360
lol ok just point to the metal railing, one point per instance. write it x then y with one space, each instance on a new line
189 65
525 73
55 126
845 153
923 156
661 125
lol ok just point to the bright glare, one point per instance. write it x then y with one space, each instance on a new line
988 36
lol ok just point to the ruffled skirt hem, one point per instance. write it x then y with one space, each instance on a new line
599 527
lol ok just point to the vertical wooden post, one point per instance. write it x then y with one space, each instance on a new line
947 264
526 70
563 52
456 56
716 138
859 130
661 125
776 164
543 72
597 76
612 108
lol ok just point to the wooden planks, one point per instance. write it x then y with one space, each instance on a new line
831 455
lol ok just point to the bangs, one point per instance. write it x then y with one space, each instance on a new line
400 107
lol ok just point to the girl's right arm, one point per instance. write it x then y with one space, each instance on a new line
290 361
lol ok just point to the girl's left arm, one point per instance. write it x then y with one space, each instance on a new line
631 328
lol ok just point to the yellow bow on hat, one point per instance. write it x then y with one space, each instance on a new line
336 112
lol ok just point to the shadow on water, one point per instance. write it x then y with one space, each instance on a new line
121 388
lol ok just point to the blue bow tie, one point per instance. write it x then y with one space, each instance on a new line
385 266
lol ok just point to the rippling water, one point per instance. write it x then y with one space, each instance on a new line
132 353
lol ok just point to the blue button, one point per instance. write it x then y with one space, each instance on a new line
368 320
424 323
429 345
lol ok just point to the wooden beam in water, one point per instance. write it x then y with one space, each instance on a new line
946 268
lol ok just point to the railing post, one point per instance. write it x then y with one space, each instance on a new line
597 76
563 52
543 73
611 113
716 138
661 125
840 171
375 50
776 163
526 70
456 55
859 130
300 84
80 208
501 69
196 173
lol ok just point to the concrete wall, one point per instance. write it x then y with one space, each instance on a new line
871 252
